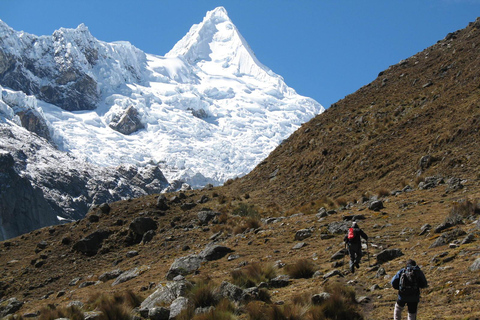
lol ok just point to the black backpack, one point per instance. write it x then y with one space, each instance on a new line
408 282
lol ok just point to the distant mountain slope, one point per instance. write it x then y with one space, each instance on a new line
420 117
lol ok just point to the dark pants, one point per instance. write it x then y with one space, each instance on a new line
412 306
355 251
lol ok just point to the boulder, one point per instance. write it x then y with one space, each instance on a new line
303 234
204 217
177 306
9 306
475 266
158 313
130 274
333 273
91 243
388 254
214 252
230 291
338 227
109 275
127 123
279 281
166 294
320 298
376 205
184 266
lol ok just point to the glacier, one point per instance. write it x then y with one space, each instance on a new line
209 110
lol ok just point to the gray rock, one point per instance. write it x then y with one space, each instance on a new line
299 245
339 254
204 217
91 243
127 123
214 252
10 306
177 306
92 315
279 281
338 227
158 313
130 274
23 207
424 229
318 299
184 266
322 213
303 234
388 255
230 291
110 275
333 273
166 294
475 266
376 205
447 237
468 239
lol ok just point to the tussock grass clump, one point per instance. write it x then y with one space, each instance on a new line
303 268
51 312
253 274
117 306
461 210
383 192
202 294
249 223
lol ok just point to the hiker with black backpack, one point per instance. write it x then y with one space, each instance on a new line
354 242
408 282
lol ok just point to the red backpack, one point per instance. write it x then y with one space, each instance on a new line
352 233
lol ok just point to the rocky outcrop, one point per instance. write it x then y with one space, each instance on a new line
23 207
127 123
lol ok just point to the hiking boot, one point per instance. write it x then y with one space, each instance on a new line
357 265
352 269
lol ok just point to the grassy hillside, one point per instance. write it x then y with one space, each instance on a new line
419 119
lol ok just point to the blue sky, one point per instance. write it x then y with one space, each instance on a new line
325 49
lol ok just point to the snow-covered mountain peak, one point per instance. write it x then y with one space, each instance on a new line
217 47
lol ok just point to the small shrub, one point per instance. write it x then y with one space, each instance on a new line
253 274
341 202
382 192
250 223
245 210
303 268
256 311
117 306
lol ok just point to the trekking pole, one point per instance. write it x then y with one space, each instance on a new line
368 255
344 254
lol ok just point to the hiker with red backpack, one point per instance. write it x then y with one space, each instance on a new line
354 242
408 282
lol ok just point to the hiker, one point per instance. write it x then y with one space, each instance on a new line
352 239
408 282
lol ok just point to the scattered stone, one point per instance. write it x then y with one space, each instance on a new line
86 284
475 266
130 274
110 275
424 229
204 217
92 315
131 254
166 294
339 254
162 203
184 266
376 205
158 313
279 281
468 239
214 252
443 226
230 291
177 306
374 287
75 281
188 206
10 306
42 244
91 243
322 213
338 227
299 245
303 234
75 303
388 254
380 273
320 298
363 300
105 208
448 237
333 273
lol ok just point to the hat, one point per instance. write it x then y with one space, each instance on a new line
354 224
